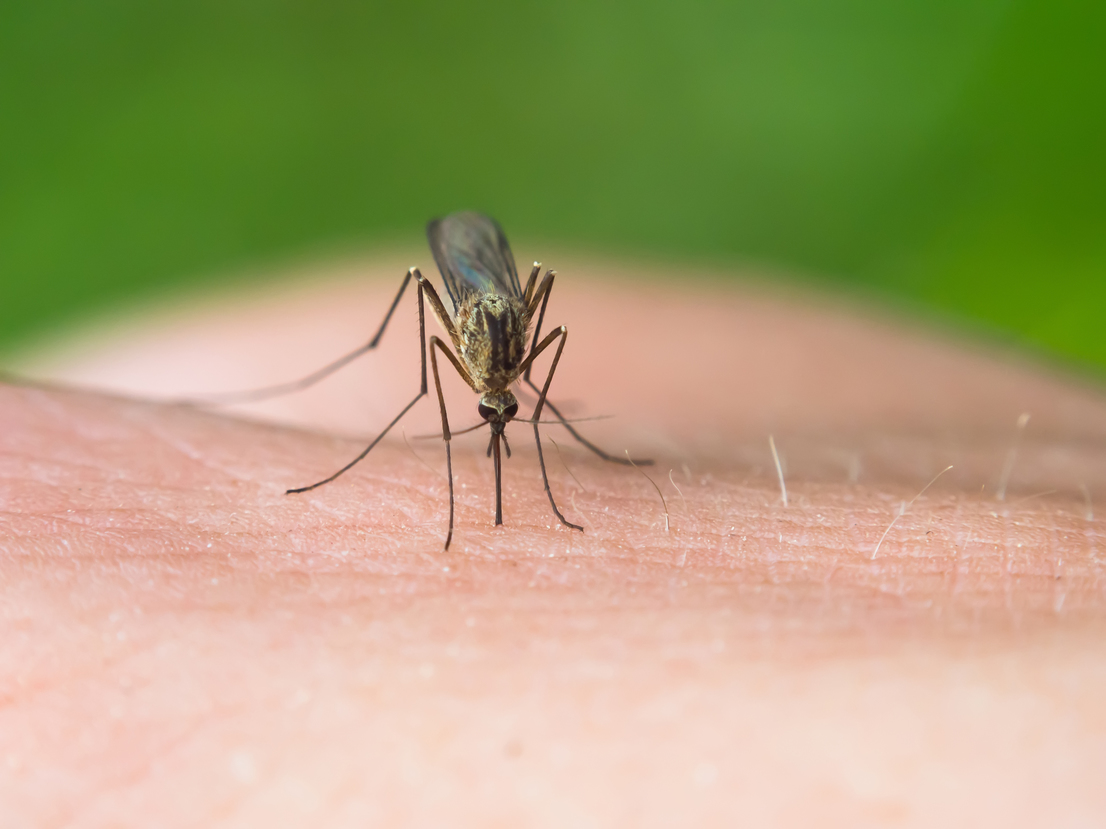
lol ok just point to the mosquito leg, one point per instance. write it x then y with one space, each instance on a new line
407 408
561 332
446 436
543 291
607 456
314 377
529 292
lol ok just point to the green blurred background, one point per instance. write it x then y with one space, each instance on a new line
948 155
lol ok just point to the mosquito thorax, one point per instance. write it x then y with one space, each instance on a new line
491 332
498 407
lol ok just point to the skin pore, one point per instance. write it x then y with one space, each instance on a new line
183 644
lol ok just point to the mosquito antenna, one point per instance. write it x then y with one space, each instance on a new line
452 432
480 425
654 483
563 422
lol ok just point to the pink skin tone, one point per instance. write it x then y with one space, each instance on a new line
185 645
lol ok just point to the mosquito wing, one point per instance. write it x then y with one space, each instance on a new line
473 255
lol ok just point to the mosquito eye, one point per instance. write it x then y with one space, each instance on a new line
486 412
511 411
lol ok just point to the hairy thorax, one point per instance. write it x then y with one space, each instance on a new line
491 333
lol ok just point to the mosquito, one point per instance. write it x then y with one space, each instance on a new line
491 319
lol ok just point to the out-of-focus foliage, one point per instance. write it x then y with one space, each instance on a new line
944 151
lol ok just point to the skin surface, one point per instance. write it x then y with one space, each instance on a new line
182 644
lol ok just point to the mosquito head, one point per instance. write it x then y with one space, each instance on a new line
498 408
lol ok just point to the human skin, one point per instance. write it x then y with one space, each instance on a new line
183 644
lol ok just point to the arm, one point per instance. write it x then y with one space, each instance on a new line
184 643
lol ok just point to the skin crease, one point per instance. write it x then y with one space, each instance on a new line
183 644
